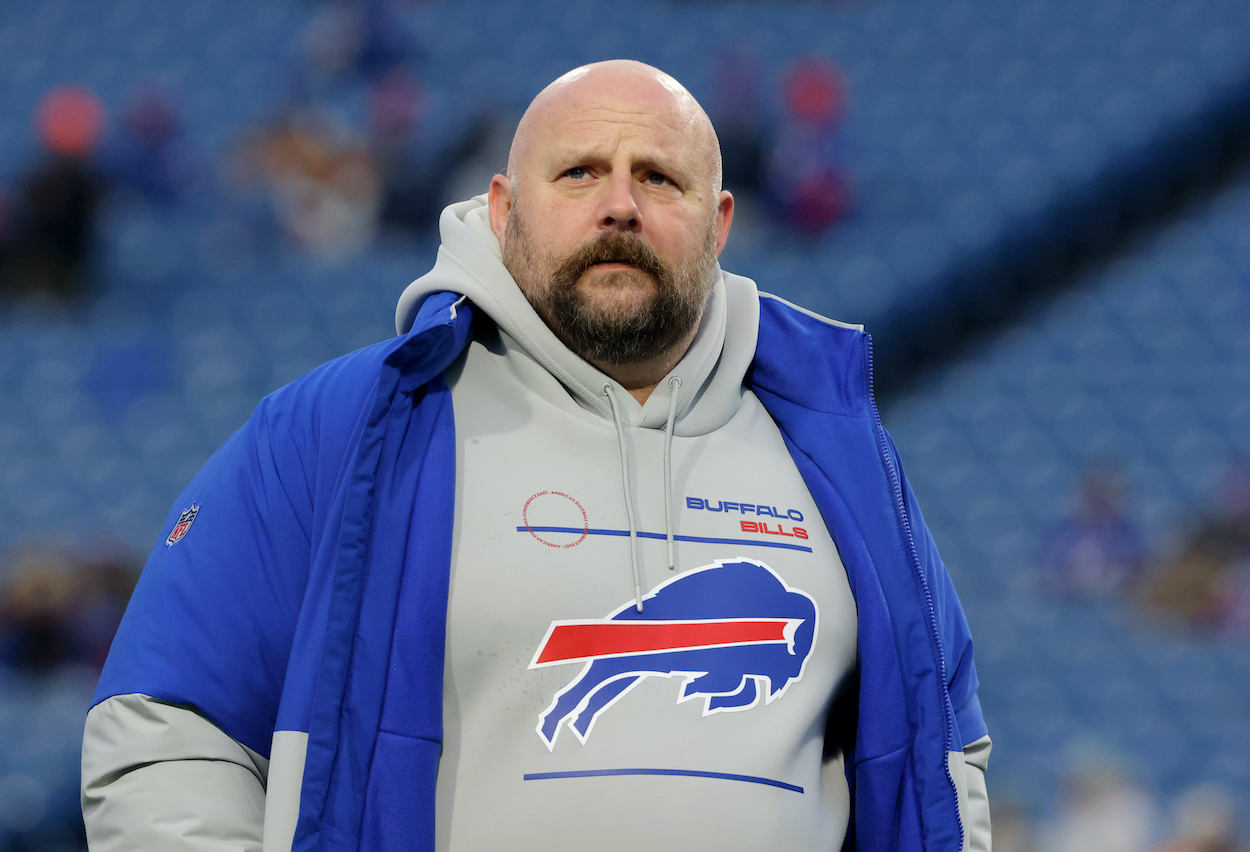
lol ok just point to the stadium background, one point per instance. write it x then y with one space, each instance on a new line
1040 209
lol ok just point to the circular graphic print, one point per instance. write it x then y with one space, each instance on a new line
556 519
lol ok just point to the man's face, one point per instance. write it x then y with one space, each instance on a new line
614 222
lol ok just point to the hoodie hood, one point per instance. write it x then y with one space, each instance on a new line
470 263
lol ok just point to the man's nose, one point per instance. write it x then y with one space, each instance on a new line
620 206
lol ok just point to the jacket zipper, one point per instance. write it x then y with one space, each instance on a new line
901 506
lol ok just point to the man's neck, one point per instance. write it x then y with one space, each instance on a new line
642 378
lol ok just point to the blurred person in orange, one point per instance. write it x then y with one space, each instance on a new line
52 219
322 183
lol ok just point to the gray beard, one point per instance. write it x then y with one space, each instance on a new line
613 336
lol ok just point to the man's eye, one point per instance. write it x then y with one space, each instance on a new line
578 172
657 179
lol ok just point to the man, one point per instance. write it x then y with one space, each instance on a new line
605 551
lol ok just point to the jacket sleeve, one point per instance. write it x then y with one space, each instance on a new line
175 747
187 705
159 777
211 621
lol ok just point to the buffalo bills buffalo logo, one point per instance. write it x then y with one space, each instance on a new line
734 630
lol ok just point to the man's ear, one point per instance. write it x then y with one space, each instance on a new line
499 201
724 218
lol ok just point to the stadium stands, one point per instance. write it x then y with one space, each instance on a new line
975 127
1145 363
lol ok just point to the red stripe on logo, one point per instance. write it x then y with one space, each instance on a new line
605 639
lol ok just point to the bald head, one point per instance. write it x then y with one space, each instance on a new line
620 86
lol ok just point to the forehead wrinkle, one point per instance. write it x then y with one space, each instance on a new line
615 108
637 125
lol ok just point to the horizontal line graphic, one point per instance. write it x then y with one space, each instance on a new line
693 773
697 539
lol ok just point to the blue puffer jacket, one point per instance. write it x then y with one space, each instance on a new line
281 616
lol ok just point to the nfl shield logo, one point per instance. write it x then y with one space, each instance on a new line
185 520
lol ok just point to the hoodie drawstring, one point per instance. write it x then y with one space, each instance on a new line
673 384
629 501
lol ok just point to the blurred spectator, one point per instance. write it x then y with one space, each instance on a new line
386 41
60 608
409 190
362 37
1102 811
52 219
333 41
1096 552
1207 582
36 613
477 153
396 107
418 180
1010 828
1205 821
321 181
735 110
807 176
151 158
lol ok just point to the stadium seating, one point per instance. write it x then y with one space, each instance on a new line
971 121
1144 363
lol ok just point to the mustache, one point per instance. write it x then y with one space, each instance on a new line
614 247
